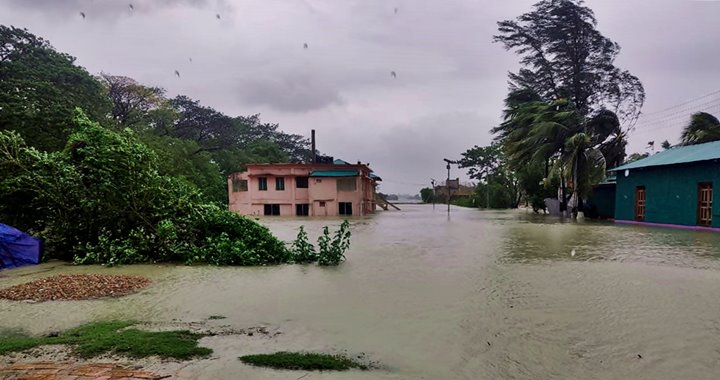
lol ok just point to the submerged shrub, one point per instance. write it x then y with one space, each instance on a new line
332 250
303 252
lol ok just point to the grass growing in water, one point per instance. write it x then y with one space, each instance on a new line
214 317
115 337
302 361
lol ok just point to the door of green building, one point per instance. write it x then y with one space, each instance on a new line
705 204
640 203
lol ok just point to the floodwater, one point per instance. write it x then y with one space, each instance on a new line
478 295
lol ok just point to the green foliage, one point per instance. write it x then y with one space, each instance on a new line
499 186
303 252
102 200
184 158
465 202
115 338
563 55
703 128
332 249
557 112
303 361
427 195
40 88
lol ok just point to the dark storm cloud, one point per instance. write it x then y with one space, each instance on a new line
451 78
99 9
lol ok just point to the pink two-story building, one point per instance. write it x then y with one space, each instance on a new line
313 189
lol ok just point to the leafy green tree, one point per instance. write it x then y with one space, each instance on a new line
181 158
40 88
556 135
565 56
666 145
131 100
703 128
427 195
498 186
569 101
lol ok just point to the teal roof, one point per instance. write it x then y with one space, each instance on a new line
338 161
334 173
677 155
611 180
375 177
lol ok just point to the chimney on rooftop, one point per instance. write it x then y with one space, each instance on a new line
312 146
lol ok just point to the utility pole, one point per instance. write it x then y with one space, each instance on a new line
432 182
447 183
487 191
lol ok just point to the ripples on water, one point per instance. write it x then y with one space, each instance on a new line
479 295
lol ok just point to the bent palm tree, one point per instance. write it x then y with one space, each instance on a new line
557 135
703 128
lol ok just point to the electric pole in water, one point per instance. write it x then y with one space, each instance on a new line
447 183
432 182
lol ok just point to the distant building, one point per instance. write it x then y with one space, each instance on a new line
671 188
305 189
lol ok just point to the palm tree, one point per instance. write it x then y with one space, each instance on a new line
703 128
556 134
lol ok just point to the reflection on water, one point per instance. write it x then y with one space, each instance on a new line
483 294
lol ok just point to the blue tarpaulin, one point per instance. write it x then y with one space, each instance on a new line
18 248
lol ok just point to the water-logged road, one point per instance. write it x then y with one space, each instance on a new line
482 295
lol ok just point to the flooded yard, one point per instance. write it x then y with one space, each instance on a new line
481 294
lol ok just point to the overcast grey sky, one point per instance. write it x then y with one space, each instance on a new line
451 79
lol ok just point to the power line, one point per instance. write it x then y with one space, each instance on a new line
677 122
696 107
682 104
679 117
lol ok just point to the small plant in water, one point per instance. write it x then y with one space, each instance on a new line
303 252
332 250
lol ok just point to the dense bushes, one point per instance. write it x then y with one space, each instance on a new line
101 200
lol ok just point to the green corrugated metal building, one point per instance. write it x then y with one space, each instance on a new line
673 187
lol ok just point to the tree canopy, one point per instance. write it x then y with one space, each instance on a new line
569 107
40 88
563 55
703 128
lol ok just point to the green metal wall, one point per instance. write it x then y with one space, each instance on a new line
671 192
603 198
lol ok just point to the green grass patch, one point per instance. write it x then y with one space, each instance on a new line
303 361
212 317
115 337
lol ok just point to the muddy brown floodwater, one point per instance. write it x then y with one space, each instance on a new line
481 295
